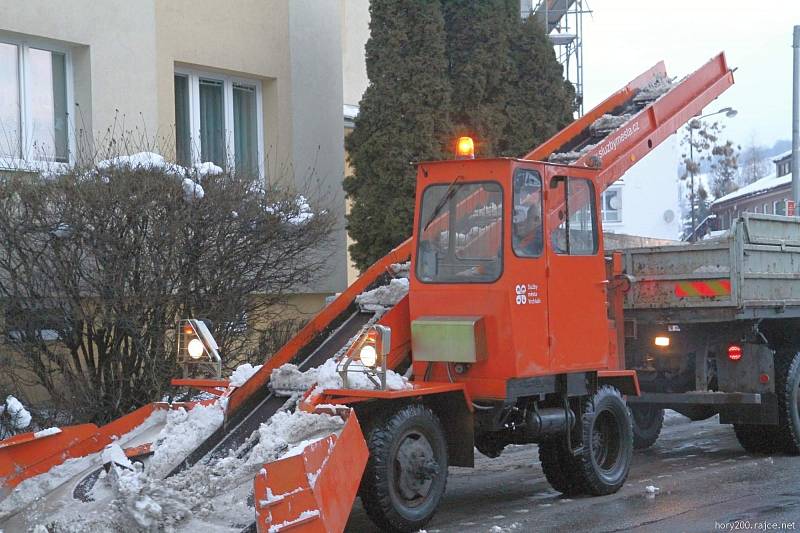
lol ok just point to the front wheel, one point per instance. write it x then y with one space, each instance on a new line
647 423
406 473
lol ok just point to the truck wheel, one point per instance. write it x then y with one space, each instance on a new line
559 467
607 449
787 388
647 422
406 473
757 438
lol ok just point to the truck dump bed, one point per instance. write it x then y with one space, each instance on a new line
752 271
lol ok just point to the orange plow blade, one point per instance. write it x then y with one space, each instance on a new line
315 490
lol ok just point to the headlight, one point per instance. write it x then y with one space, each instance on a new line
195 348
368 355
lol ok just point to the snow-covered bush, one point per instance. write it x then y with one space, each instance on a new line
14 418
97 263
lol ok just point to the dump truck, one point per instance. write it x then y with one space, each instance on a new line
512 332
714 328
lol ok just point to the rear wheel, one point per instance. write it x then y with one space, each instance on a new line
559 467
647 423
604 459
607 450
787 388
406 473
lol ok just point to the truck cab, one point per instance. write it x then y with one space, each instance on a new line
509 258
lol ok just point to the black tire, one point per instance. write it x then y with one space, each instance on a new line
757 439
787 388
406 473
647 423
607 443
559 467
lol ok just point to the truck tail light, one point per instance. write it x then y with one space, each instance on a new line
734 352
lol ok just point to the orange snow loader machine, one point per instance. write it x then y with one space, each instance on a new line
511 332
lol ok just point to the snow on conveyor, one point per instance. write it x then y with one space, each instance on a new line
213 495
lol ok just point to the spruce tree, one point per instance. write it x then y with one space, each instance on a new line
481 67
403 117
541 101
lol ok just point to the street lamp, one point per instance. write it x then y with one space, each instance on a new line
730 113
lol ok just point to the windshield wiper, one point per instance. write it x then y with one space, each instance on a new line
451 190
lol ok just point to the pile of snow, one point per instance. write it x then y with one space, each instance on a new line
380 299
183 432
654 90
288 378
608 123
15 412
243 373
214 495
401 270
567 158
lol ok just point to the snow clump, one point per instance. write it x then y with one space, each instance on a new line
289 378
19 417
381 299
243 373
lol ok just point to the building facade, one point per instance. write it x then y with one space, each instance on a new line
770 195
253 84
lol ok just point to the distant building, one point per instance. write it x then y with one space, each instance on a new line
769 195
646 200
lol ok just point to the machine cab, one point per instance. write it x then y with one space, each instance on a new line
508 277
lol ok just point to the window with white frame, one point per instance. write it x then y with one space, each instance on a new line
779 207
611 203
34 95
218 119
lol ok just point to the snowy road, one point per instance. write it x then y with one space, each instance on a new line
704 477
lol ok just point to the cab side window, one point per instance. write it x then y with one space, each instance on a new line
527 236
574 205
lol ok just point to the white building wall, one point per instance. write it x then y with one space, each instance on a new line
650 196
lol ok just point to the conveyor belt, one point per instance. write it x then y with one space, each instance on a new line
232 435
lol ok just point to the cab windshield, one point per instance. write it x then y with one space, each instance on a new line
461 241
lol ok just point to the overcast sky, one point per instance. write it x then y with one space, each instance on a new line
623 38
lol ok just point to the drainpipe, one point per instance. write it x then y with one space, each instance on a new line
796 122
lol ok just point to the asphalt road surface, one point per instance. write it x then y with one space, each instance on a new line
705 482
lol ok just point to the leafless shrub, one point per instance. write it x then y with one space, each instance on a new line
97 263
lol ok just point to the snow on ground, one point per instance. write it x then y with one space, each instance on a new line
26 494
213 496
380 299
243 373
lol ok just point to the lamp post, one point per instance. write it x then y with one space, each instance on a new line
730 113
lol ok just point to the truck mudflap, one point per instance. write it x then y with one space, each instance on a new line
313 491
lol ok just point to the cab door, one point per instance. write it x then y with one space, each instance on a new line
576 278
525 272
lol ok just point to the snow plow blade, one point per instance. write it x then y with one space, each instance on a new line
315 490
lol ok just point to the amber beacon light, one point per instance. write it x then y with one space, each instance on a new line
465 148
